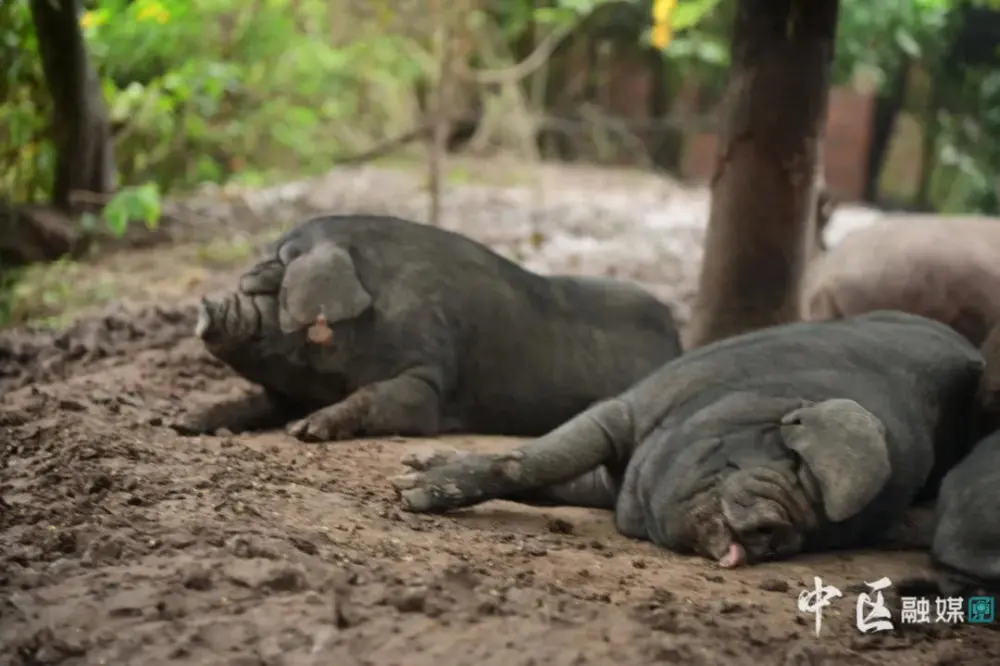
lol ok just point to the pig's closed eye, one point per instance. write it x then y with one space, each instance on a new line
760 535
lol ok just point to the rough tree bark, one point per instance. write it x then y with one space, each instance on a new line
80 129
888 106
763 189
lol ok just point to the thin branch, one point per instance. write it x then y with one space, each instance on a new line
526 67
435 165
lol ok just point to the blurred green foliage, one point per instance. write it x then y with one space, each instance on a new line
200 91
874 41
961 119
213 90
213 86
27 159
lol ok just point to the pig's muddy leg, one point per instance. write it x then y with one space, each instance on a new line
446 480
258 410
595 490
405 405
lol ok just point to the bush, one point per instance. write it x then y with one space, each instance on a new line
202 91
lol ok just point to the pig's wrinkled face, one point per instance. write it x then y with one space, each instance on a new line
288 303
766 512
753 475
244 325
750 514
242 331
235 321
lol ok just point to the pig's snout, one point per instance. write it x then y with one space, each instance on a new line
203 326
232 319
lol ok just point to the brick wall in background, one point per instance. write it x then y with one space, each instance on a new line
848 137
848 128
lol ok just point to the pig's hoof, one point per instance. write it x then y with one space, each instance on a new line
189 426
426 458
429 492
331 424
412 493
315 428
419 491
302 431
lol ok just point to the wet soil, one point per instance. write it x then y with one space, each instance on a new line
122 542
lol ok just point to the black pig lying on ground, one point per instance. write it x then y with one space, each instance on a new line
965 549
802 437
369 325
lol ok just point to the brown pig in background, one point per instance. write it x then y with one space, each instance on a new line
943 268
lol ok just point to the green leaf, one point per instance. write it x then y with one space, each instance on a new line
689 14
133 203
115 219
554 15
907 43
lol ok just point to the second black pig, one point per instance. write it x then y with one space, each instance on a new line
371 325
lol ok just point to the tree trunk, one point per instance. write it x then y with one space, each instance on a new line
80 129
763 190
887 108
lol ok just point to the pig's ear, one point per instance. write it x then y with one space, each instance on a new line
322 281
263 278
844 446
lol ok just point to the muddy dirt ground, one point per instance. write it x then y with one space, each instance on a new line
122 542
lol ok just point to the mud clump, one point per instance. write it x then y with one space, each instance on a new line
39 355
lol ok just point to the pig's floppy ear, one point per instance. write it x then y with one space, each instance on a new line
263 278
843 445
322 281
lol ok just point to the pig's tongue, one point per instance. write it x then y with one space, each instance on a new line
734 557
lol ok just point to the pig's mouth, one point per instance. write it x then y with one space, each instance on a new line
735 556
766 542
719 542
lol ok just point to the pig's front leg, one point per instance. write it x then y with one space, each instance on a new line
257 410
408 404
446 480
